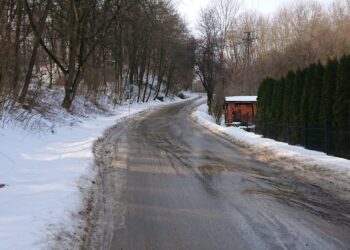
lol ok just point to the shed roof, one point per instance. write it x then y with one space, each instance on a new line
240 98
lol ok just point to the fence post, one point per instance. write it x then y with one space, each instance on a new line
287 131
327 139
305 134
262 127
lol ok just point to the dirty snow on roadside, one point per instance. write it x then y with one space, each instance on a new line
280 149
42 172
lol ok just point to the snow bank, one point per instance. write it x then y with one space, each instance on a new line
241 98
41 172
280 149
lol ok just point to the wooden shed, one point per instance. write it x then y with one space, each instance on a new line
240 110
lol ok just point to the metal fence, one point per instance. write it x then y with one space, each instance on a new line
332 142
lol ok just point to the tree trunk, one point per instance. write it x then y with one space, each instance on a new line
29 73
34 56
150 89
73 50
142 72
169 79
16 72
210 101
160 72
147 81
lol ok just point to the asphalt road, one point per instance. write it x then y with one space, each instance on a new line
186 188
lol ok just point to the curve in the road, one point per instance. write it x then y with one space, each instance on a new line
188 189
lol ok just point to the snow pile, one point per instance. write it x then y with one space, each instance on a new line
41 173
241 98
280 149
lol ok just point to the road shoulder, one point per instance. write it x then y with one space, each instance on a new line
332 176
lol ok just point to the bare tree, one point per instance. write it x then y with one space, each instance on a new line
40 25
207 54
226 12
214 25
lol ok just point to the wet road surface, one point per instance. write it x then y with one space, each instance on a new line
185 188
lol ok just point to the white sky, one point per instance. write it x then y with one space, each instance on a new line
190 8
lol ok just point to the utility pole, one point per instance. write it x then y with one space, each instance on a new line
248 47
248 44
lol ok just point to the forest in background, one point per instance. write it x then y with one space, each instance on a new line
237 49
97 48
91 48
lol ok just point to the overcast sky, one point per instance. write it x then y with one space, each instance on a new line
190 8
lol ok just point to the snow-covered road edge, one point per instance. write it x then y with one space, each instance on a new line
334 172
46 176
95 220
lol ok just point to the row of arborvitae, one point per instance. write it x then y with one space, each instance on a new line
309 107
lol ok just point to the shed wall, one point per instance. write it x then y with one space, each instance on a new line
240 112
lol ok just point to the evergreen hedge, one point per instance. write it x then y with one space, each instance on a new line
309 107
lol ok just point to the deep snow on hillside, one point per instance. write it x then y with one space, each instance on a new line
46 164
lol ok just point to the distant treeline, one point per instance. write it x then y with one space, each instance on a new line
309 107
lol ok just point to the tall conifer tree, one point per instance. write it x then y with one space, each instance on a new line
305 100
297 93
287 97
342 95
315 95
329 85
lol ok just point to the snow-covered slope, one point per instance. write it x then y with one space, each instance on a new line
43 172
